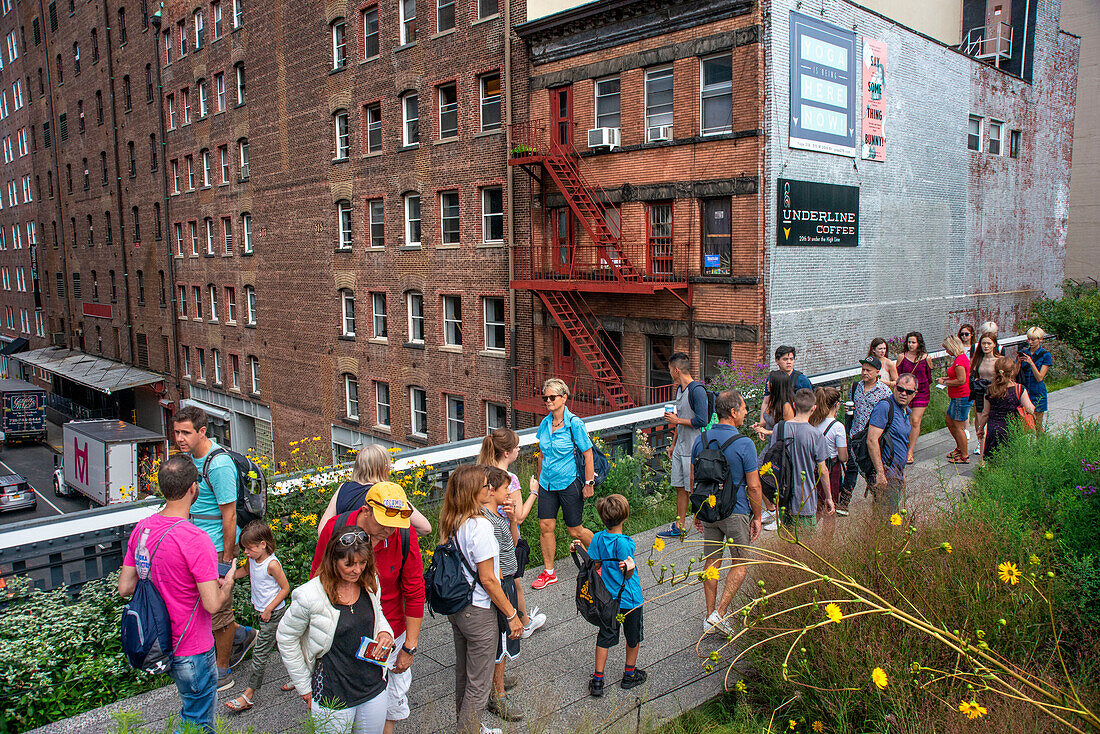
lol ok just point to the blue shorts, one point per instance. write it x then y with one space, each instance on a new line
959 409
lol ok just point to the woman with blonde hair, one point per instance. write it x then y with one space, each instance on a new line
322 634
372 465
559 484
957 382
1035 363
1002 399
475 627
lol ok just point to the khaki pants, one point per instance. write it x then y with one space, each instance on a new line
475 632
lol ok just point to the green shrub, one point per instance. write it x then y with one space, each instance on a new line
1074 318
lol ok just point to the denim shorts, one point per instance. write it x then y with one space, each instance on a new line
959 409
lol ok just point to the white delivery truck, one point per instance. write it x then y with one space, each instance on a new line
109 461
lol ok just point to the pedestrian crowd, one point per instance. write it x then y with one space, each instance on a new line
348 637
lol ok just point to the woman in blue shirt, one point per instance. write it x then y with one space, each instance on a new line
559 486
1034 363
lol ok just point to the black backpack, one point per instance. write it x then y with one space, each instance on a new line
594 601
712 396
857 446
251 486
778 485
600 465
446 587
712 477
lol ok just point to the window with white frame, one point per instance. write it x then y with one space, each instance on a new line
452 321
186 360
444 15
179 238
490 101
250 305
494 323
418 411
193 228
351 397
339 44
448 111
185 105
410 119
370 33
974 133
216 360
242 149
213 291
658 103
230 305
238 21
254 371
716 94
204 101
448 209
608 102
209 225
343 134
456 418
205 156
343 218
496 416
408 20
412 220
235 372
216 11
246 232
372 114
219 80
347 309
202 364
376 224
240 83
415 304
381 323
170 100
196 293
492 214
227 235
382 403
996 137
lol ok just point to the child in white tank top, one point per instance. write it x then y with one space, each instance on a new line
270 590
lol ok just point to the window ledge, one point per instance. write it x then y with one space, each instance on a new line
451 349
350 421
441 34
370 59
213 321
338 69
495 353
412 146
382 428
452 246
250 326
405 47
414 345
373 154
343 250
488 133
230 323
486 19
490 245
246 253
421 438
227 254
343 159
374 249
407 248
346 337
378 340
209 254
444 141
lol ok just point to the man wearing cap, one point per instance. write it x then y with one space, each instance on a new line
865 394
400 577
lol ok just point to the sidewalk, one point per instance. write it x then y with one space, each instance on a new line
555 663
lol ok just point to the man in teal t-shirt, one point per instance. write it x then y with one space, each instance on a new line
215 513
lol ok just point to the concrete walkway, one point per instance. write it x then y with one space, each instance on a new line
556 661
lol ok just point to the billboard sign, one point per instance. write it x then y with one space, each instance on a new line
817 214
823 87
873 111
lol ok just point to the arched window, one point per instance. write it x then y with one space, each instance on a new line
239 67
342 131
339 44
351 396
347 312
250 305
137 224
343 222
242 151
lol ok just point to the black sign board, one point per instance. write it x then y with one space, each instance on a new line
817 214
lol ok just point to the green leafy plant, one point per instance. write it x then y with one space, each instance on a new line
1074 318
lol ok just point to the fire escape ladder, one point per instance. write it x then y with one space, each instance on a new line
590 209
584 341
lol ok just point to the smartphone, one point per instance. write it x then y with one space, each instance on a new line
223 568
368 648
941 387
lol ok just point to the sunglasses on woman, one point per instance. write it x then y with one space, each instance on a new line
391 511
551 398
352 537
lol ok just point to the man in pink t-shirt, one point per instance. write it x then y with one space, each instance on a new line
184 570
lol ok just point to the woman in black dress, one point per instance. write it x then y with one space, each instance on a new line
1002 398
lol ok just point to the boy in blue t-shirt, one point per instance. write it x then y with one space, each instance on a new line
612 545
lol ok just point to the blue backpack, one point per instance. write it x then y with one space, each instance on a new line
145 629
445 585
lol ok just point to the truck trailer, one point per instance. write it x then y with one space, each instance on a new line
109 461
24 416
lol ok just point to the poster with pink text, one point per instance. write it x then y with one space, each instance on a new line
873 146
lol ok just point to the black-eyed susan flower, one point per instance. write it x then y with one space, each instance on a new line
878 677
1009 573
832 611
972 709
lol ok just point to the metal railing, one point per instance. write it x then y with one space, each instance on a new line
989 42
585 397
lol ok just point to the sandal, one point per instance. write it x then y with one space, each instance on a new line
909 462
288 686
238 704
959 460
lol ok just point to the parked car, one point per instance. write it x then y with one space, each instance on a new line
16 494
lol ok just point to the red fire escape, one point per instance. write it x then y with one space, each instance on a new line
561 271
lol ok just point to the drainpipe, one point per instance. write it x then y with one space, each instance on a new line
1023 50
511 232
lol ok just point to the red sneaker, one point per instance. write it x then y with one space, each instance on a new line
545 579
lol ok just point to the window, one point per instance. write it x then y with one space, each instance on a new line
250 305
209 226
494 324
410 116
452 321
444 15
418 410
190 161
347 308
339 44
227 235
382 403
381 323
996 137
196 292
485 8
408 20
716 85
660 350
240 84
1014 144
175 177
343 217
713 354
448 111
163 292
235 369
186 361
205 158
412 220
223 152
415 303
490 102
204 94
95 45
658 103
76 54
219 81
60 77
185 105
343 135
246 233
242 149
448 207
376 225
351 397
200 29
254 365
154 152
659 222
194 230
372 114
171 102
148 84
496 416
716 237
179 239
216 12
974 133
182 27
370 33
133 158
607 102
456 418
238 21
202 364
216 359
492 214
230 305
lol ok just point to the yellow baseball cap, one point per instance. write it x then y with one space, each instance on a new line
391 506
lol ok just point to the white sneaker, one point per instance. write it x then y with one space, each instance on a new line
715 623
767 517
487 730
772 525
536 620
978 451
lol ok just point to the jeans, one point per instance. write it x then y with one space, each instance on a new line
368 717
196 678
261 651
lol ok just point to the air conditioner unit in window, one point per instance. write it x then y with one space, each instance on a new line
659 132
603 137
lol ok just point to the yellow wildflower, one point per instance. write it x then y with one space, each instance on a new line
658 545
878 676
293 443
832 611
818 726
316 438
1048 535
1009 573
792 725
252 475
741 687
711 573
1033 560
946 547
895 519
972 709
766 469
712 500
294 451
